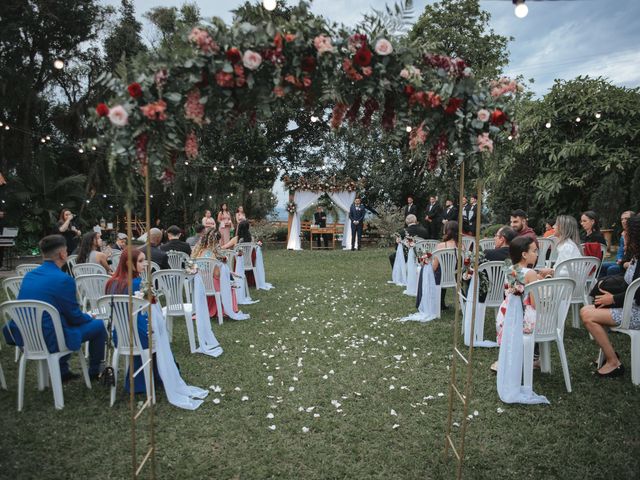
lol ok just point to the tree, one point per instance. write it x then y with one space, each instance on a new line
124 39
460 28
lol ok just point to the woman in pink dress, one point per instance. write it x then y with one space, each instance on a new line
208 247
208 221
225 224
240 216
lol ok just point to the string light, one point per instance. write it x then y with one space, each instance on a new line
80 150
548 124
268 169
408 129
577 119
314 119
521 9
269 5
510 137
598 115
58 63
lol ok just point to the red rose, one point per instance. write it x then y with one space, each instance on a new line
306 81
467 261
362 58
135 90
233 55
498 117
308 64
453 105
102 110
409 90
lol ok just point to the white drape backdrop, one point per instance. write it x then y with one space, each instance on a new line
303 200
343 201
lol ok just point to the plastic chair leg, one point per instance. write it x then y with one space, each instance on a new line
17 356
114 365
170 327
218 298
147 372
545 357
635 360
438 300
3 381
42 374
190 333
56 382
527 360
85 370
22 367
565 364
576 315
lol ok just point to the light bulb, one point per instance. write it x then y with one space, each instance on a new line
269 5
408 128
598 115
314 119
80 150
548 124
215 169
186 163
6 127
521 10
93 148
268 169
578 119
43 140
509 137
382 161
58 64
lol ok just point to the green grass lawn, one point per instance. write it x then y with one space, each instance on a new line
323 351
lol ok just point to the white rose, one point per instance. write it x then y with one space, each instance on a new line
383 47
484 115
251 59
118 116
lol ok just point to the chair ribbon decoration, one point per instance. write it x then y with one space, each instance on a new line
478 340
209 345
428 295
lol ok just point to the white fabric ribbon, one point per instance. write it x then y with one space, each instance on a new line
225 294
510 359
412 274
399 272
343 201
209 345
303 199
428 308
178 392
478 340
242 294
261 283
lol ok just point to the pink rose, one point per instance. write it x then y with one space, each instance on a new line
251 60
485 144
323 44
205 43
383 47
118 116
404 73
367 71
484 115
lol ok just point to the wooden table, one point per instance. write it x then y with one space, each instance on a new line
323 231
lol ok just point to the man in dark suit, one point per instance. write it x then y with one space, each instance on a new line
48 283
410 208
472 215
157 255
174 243
433 218
356 215
502 241
412 229
320 219
450 212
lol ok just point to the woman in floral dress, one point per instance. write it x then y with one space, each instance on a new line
225 224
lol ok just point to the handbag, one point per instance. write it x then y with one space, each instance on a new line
614 284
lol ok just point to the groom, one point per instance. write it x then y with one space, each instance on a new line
356 215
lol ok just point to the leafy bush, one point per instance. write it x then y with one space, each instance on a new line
387 224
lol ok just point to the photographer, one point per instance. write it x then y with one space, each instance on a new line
68 230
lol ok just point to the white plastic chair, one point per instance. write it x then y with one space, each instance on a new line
206 267
487 244
582 271
3 381
27 316
125 342
177 259
71 262
154 268
247 251
88 269
545 245
554 252
447 263
634 335
230 255
115 259
171 283
90 288
426 245
552 299
11 288
25 268
467 243
497 279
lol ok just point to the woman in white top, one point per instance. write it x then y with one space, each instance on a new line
208 221
567 241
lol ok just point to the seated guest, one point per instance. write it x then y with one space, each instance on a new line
607 309
449 240
118 284
90 251
243 235
502 240
121 242
519 222
48 283
549 230
192 241
591 228
412 229
174 243
157 256
567 240
615 268
208 247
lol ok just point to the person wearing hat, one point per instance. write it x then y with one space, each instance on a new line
48 283
121 242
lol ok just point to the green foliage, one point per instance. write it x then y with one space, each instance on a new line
125 38
387 224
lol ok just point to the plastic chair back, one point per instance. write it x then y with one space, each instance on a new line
71 262
115 259
552 298
11 287
153 266
487 244
467 243
247 250
91 288
230 255
206 267
628 304
88 269
27 315
581 271
171 284
25 268
177 259
545 245
121 319
497 279
426 245
447 263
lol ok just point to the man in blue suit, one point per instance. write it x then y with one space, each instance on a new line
356 215
48 283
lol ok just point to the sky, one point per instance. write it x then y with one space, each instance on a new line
558 39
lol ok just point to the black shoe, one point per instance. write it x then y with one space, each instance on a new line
616 372
69 376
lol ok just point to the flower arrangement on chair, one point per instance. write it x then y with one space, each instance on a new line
190 267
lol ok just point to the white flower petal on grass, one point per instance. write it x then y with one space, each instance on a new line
295 379
270 415
335 403
393 412
395 426
397 357
392 387
270 378
499 410
237 389
331 372
456 424
476 413
310 409
441 394
244 398
291 389
324 377
216 401
272 427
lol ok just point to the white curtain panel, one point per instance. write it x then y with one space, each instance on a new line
303 199
343 200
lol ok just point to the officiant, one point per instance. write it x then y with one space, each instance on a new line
320 220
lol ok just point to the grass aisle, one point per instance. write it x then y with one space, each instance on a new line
323 352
